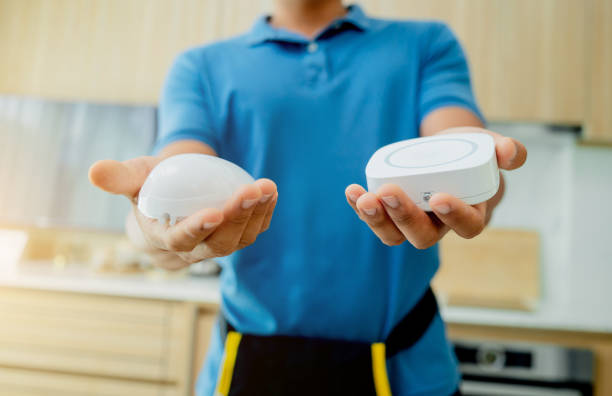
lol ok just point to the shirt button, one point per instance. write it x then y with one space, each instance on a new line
312 47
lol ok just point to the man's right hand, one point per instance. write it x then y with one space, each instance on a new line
208 233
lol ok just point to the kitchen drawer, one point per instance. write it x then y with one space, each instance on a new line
95 335
17 382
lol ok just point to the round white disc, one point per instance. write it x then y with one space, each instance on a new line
430 153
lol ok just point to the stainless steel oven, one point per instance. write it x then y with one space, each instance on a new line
521 369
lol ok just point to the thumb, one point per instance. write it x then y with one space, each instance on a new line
511 153
125 177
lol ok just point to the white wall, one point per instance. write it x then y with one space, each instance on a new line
564 191
590 266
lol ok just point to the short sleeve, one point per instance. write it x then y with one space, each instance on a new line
186 108
445 76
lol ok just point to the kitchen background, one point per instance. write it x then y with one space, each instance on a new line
86 313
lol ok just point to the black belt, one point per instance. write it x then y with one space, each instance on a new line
291 365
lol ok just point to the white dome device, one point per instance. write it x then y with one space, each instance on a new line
463 165
182 184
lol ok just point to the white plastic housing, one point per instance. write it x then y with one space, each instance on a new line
183 184
463 165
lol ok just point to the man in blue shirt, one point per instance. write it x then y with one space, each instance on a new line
304 99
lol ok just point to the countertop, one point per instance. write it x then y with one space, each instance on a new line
591 312
157 285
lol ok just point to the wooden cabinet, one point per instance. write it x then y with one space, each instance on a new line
19 382
106 50
599 72
534 61
206 319
526 57
69 339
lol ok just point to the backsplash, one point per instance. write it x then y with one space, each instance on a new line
563 191
46 148
591 227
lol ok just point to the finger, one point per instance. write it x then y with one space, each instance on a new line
511 153
254 225
236 214
466 220
417 227
269 213
353 192
153 231
124 178
135 234
194 256
168 261
187 233
373 214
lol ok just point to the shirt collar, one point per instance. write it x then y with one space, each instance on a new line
262 31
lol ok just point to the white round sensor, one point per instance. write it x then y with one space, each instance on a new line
463 165
426 154
183 184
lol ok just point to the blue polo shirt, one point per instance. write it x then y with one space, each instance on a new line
308 114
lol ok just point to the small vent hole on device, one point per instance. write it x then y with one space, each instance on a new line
427 196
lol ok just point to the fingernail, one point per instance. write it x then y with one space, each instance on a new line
211 225
442 209
391 201
353 198
247 203
370 212
264 198
513 148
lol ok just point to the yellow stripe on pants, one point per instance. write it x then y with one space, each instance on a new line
229 360
379 370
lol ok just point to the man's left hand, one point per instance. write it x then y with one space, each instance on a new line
394 218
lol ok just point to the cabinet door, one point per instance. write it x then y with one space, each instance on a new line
17 382
106 50
527 57
206 319
98 336
599 75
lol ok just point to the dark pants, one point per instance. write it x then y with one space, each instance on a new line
257 365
